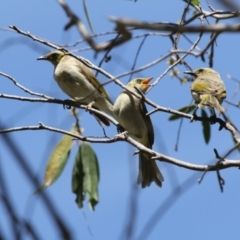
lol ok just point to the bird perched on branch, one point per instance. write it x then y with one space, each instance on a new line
130 112
78 82
208 89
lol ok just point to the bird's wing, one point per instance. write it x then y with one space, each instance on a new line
148 122
210 86
86 71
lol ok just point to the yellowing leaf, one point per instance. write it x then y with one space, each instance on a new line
85 176
57 162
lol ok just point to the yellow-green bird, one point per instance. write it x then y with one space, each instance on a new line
130 112
78 82
208 89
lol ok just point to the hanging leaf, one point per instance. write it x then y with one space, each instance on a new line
206 127
85 176
238 148
186 109
195 2
87 16
57 162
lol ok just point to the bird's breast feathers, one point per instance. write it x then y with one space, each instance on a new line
129 116
73 82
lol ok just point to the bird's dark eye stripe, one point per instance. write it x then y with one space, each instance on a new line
219 91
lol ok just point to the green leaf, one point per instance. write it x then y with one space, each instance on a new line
87 16
85 176
186 109
238 148
56 162
206 127
195 2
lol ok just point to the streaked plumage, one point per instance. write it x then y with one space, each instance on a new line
208 89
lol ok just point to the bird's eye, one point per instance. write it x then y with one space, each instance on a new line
138 80
53 56
200 70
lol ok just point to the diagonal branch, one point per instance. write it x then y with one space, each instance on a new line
74 20
23 88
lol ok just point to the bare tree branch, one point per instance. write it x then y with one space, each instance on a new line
126 138
74 20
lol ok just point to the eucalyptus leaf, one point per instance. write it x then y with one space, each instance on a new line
87 15
56 162
238 148
206 127
85 176
186 109
195 2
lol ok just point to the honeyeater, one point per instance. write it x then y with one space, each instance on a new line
208 89
130 112
78 82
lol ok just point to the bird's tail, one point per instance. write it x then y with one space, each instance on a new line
208 100
108 107
219 107
101 118
148 171
104 105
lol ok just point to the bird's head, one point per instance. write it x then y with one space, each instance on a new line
141 83
202 72
54 57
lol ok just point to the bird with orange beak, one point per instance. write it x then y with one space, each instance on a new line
130 111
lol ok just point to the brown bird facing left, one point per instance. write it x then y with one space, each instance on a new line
78 82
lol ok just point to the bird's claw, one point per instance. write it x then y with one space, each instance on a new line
120 129
121 135
194 116
213 119
66 104
89 105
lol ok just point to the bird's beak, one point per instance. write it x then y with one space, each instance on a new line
146 81
190 73
42 58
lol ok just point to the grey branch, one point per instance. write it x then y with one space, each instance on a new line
74 20
175 28
69 102
158 156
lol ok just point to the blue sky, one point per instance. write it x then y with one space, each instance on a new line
198 211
